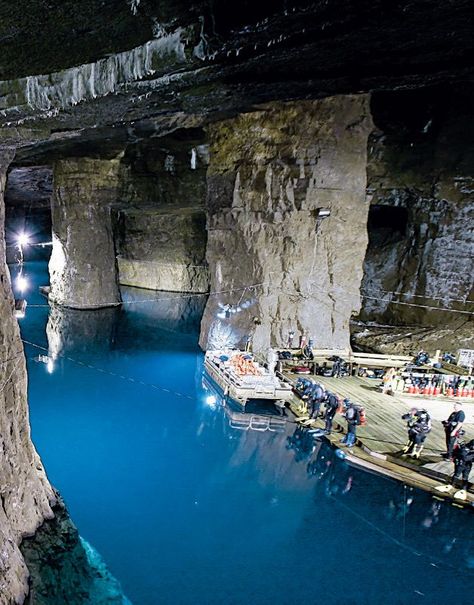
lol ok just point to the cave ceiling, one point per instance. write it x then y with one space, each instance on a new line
150 68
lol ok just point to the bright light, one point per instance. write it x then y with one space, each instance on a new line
211 400
21 283
50 366
23 239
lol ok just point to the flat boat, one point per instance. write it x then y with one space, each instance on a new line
242 378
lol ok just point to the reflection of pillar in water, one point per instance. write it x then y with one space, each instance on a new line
70 331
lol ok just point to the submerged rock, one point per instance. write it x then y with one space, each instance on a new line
64 568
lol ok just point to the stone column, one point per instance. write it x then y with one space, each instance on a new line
25 494
82 268
287 223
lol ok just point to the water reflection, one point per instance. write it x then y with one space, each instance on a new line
78 332
183 493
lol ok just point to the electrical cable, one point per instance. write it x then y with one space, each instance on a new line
431 308
461 300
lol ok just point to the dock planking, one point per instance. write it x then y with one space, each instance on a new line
385 433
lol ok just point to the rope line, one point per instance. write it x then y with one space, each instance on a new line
242 289
399 302
114 374
461 300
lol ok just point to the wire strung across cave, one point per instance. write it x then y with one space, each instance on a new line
249 287
424 296
110 373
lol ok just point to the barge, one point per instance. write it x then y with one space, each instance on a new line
242 378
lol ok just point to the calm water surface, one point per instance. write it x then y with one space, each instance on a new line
186 509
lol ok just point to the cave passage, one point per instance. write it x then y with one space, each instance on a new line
183 507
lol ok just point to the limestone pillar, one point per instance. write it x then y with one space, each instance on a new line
82 268
25 494
287 223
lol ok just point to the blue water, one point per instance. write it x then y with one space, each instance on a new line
186 509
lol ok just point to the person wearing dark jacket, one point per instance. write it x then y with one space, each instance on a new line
352 416
452 426
315 399
330 408
463 457
418 425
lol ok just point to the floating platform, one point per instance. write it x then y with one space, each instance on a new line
260 419
242 378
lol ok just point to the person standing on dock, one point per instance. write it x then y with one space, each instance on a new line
315 399
352 416
463 460
331 405
452 426
419 425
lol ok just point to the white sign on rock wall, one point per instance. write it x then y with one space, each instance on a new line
466 358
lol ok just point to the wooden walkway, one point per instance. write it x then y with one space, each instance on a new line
385 433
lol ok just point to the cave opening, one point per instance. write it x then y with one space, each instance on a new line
386 224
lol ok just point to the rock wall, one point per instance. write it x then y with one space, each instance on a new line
161 228
25 494
66 569
421 169
276 263
82 267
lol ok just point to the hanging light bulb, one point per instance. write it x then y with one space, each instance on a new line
23 239
21 283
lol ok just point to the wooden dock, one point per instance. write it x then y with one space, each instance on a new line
380 441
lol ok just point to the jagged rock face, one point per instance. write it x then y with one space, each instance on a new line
66 569
25 494
420 181
82 266
161 227
67 84
271 174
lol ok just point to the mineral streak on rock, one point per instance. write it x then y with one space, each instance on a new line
82 267
25 494
280 264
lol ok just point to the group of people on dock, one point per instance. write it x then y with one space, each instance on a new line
418 422
461 453
315 396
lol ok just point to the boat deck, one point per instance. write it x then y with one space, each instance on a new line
385 433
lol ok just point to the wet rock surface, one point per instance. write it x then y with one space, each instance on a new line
279 261
25 494
66 569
